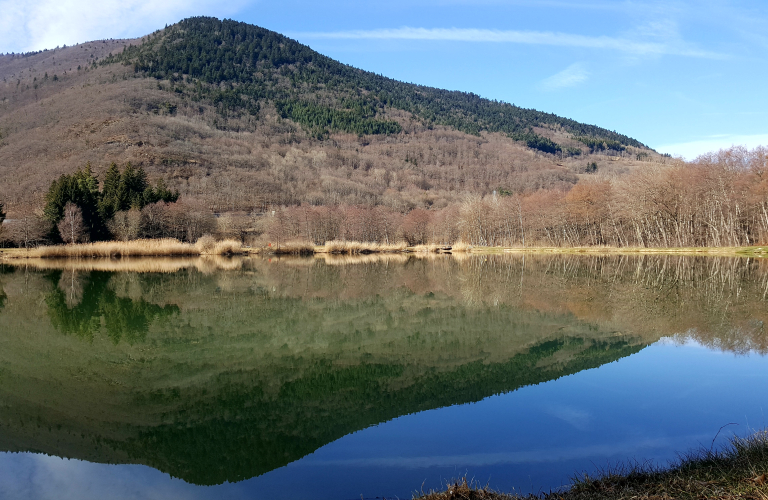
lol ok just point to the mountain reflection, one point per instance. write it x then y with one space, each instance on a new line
222 373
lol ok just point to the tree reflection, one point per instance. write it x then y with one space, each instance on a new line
84 313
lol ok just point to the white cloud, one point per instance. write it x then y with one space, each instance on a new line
638 47
692 149
572 75
45 24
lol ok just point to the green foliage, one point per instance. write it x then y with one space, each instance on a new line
535 141
591 168
82 189
237 67
602 144
318 119
121 191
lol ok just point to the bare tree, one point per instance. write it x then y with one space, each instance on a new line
71 227
28 230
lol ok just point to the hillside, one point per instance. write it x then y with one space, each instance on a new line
241 118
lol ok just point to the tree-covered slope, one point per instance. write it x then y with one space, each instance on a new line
238 67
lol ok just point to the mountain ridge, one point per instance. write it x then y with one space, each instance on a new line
294 135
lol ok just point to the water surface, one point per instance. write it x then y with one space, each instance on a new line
378 376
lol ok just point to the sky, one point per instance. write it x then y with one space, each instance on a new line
684 77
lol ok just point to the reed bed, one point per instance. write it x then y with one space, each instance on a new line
461 247
227 247
360 247
167 247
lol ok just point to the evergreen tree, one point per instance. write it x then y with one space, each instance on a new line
82 189
109 203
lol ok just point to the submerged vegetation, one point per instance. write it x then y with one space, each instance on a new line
738 471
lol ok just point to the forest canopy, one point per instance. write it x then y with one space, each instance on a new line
238 67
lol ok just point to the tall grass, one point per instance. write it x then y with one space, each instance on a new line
166 247
360 247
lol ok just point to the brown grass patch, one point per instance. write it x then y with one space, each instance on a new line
111 249
360 247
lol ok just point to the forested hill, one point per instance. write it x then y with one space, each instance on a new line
239 67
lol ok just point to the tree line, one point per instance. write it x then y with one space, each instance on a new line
77 208
721 199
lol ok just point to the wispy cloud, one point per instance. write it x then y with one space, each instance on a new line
691 149
571 76
633 46
45 24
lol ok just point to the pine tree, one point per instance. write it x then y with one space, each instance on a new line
110 202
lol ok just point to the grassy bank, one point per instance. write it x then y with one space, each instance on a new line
738 471
136 248
209 246
751 251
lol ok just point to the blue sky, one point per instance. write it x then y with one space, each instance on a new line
683 77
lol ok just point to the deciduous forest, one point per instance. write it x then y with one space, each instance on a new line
223 128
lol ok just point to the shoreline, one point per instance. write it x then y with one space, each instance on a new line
350 248
740 470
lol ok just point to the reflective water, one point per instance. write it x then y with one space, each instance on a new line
336 378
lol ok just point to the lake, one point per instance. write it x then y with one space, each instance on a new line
377 376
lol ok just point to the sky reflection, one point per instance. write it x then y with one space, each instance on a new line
653 405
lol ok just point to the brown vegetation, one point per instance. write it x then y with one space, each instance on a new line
166 247
264 180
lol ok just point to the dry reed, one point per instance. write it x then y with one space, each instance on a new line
360 247
461 247
111 249
166 247
227 247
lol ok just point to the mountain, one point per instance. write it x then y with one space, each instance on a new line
243 118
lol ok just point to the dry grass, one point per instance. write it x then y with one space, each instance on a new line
227 247
738 472
462 490
757 251
112 249
360 247
461 247
138 248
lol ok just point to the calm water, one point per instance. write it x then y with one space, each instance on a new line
336 378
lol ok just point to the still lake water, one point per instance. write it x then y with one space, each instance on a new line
376 377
